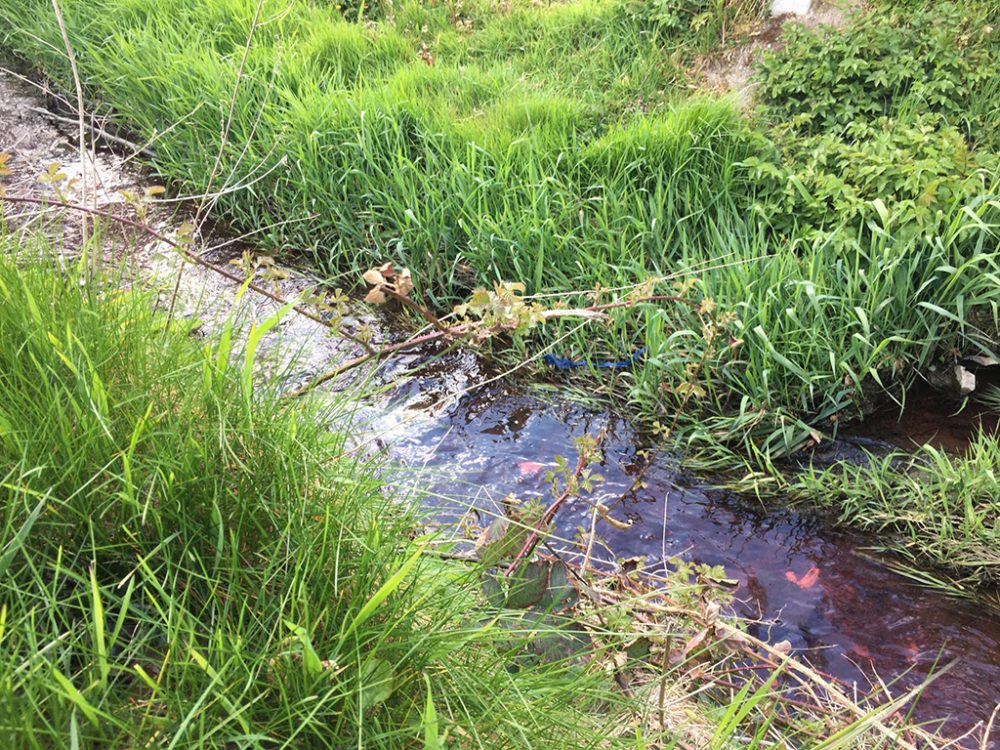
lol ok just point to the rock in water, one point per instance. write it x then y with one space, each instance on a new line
955 382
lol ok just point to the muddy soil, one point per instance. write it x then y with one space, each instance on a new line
731 69
472 439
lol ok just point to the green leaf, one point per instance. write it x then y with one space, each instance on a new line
257 332
15 544
312 665
75 696
384 592
377 683
429 721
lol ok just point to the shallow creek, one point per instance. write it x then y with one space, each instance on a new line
471 442
842 608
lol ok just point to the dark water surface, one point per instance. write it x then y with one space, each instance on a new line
843 609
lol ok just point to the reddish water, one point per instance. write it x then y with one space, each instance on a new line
844 610
929 419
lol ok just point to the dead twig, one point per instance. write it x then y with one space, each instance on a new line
223 140
80 113
99 132
179 246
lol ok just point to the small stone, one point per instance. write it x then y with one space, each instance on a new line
955 382
965 380
796 7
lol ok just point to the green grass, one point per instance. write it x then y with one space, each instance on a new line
462 161
559 146
932 506
183 565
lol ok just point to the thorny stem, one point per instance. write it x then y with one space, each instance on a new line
582 461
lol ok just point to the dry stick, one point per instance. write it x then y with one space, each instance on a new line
262 109
187 252
457 332
420 310
988 730
196 258
232 110
804 672
198 218
80 113
351 364
441 331
99 132
778 658
828 687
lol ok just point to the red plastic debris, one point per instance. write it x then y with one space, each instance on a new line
527 468
807 581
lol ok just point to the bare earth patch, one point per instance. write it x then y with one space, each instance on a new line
731 69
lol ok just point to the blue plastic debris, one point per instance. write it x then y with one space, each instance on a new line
561 363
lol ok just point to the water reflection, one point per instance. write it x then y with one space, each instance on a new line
849 614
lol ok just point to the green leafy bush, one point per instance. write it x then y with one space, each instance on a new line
883 65
908 174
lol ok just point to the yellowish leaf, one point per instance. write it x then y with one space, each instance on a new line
375 297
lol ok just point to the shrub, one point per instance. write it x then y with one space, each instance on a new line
883 65
908 176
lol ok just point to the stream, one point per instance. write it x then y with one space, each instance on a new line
841 608
471 440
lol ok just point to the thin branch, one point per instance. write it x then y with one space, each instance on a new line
98 132
181 247
199 218
80 113
571 489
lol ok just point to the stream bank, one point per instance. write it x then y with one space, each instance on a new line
473 442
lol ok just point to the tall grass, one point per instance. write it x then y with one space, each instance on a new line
183 565
933 507
373 154
823 331
480 144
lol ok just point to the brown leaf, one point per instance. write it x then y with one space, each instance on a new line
375 297
373 277
696 642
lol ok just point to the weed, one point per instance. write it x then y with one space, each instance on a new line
182 563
